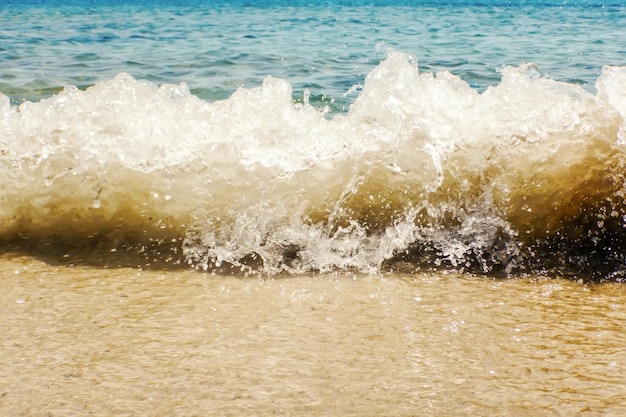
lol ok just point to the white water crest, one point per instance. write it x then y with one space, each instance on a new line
422 170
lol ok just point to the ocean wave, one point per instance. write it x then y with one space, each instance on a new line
421 172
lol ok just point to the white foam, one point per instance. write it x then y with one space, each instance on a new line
419 156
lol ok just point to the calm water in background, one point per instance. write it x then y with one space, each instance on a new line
328 47
166 254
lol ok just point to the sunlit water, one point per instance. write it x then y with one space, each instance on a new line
90 341
208 208
326 46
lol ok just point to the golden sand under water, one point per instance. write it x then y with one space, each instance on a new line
82 340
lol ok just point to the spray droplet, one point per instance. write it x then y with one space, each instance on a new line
306 96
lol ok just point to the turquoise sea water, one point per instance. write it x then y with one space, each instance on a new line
481 136
325 46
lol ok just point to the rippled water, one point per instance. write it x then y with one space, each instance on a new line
328 48
90 341
224 208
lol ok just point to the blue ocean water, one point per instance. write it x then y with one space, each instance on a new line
324 46
482 136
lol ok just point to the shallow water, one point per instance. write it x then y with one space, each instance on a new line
339 197
82 340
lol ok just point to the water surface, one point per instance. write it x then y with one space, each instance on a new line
335 208
92 341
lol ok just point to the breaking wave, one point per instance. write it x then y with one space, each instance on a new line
422 172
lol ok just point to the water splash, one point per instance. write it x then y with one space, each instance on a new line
422 172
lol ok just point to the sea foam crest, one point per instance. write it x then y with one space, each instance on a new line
422 171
